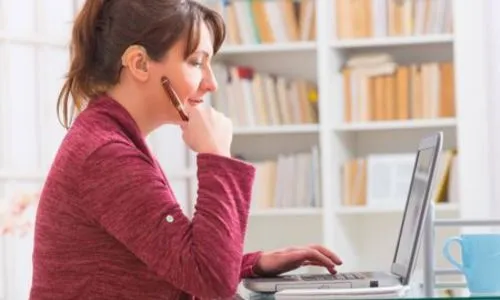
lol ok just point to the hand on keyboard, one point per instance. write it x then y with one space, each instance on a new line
280 261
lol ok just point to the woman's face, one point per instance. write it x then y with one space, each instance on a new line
191 78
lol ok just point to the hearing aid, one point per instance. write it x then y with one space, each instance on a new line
142 63
176 102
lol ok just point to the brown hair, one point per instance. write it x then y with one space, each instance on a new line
104 29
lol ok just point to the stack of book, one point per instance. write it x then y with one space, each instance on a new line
384 18
376 89
253 98
290 181
267 21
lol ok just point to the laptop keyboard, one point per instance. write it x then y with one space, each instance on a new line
338 276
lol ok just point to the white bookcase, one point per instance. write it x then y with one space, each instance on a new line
364 237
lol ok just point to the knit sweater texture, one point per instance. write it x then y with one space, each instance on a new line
108 225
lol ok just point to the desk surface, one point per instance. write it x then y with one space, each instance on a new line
244 294
271 297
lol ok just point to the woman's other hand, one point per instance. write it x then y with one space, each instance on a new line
273 263
208 131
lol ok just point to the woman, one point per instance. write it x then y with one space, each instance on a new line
108 225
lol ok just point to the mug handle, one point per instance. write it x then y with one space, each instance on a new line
446 252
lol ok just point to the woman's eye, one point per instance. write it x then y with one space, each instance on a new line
197 63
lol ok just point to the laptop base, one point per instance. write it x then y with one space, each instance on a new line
321 281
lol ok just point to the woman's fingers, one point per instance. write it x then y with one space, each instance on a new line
316 256
334 257
332 270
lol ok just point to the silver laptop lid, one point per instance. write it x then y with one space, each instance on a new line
417 204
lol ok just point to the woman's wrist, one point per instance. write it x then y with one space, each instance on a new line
257 268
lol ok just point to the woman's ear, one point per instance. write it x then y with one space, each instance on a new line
142 64
136 60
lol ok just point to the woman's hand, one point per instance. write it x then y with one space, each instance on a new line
280 261
208 131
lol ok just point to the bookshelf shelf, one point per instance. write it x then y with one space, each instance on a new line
37 39
274 212
284 129
393 41
269 48
24 176
364 210
398 125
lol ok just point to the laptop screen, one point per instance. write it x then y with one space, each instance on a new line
408 238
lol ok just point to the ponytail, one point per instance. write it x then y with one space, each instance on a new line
78 87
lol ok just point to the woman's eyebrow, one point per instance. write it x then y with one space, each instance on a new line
205 53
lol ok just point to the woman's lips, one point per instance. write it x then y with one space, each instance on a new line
195 101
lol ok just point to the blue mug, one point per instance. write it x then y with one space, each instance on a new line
480 261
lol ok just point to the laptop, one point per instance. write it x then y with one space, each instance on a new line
407 246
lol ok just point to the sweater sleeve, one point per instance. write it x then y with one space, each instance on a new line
124 192
248 264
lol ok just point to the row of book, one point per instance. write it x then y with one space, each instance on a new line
385 18
251 98
376 88
383 180
290 181
267 21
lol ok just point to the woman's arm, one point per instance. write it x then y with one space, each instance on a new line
125 193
